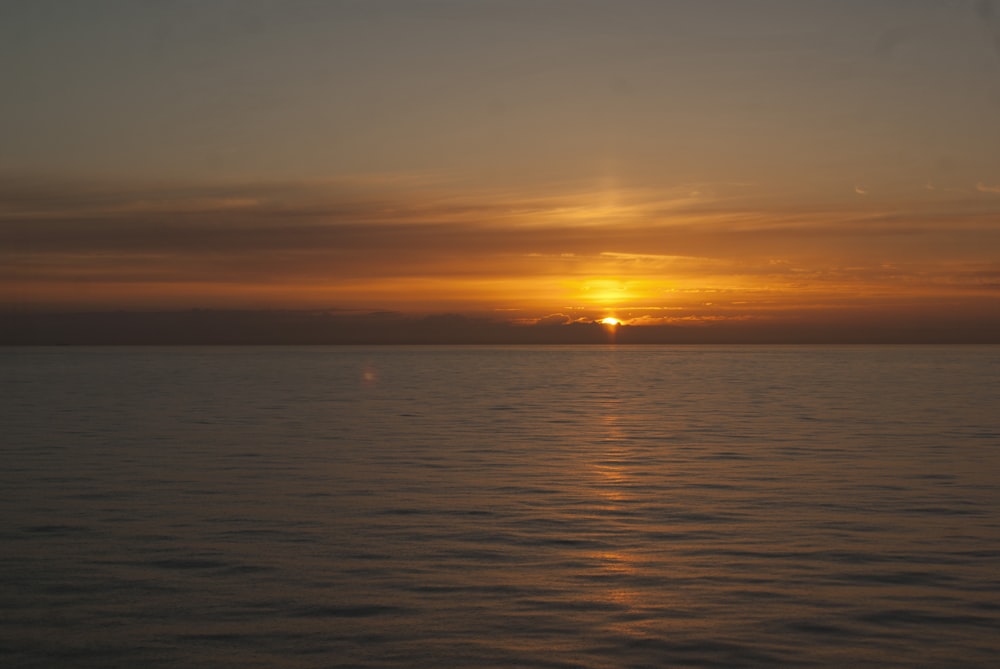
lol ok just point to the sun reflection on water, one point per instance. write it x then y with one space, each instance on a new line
616 566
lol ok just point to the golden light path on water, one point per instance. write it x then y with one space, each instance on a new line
612 481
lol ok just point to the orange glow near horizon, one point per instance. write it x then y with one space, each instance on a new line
533 295
526 260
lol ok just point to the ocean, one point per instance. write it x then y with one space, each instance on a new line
593 506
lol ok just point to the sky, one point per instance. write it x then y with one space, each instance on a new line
672 162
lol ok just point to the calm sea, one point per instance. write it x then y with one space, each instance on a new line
500 507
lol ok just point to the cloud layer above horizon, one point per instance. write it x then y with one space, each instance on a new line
648 255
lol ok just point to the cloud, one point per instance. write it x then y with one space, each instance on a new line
860 191
349 243
554 319
983 188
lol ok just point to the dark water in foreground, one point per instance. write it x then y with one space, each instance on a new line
534 507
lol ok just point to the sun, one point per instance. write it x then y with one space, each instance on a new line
610 320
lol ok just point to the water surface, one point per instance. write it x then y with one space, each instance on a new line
522 506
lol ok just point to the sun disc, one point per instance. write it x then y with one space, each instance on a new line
610 321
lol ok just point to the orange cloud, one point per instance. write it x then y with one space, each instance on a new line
419 247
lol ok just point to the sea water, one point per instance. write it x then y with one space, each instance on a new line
500 507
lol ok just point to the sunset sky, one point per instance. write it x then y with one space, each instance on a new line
664 162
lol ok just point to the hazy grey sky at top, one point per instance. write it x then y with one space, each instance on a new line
899 93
